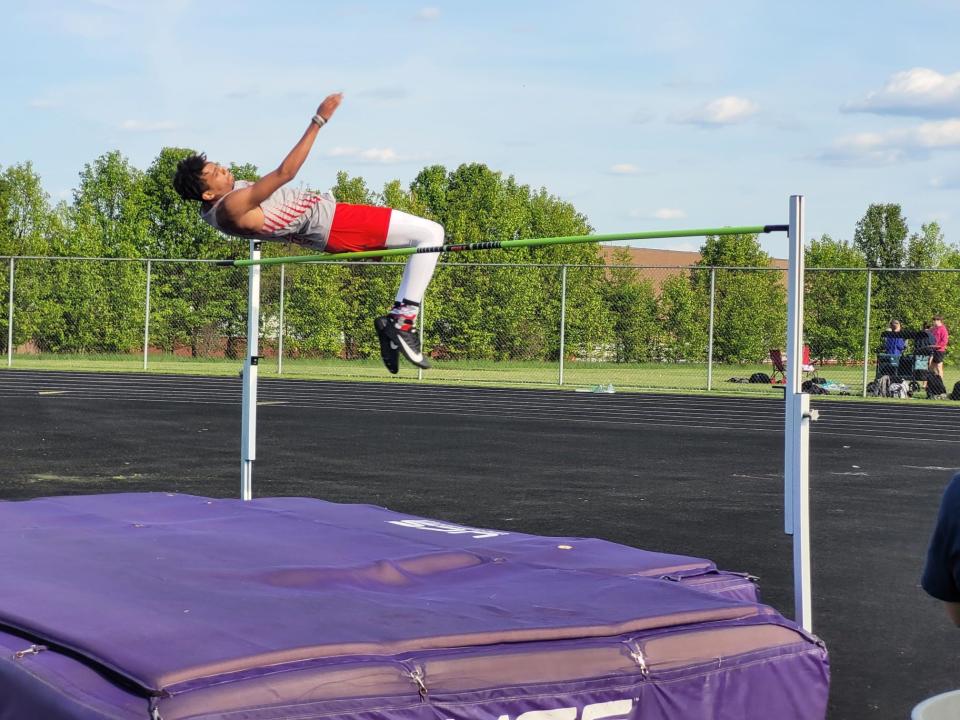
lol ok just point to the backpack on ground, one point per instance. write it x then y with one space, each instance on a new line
809 386
760 378
935 386
882 386
955 395
899 390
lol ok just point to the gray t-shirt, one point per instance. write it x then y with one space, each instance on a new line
293 215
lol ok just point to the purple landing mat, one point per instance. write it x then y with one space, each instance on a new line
174 606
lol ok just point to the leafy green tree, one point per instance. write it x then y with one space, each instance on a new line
750 311
880 235
835 300
100 303
633 307
25 222
684 316
511 311
925 294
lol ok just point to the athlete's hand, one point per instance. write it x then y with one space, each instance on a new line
329 105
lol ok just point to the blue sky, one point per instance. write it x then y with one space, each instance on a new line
642 114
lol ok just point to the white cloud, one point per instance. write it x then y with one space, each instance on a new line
894 146
669 214
379 156
624 169
727 110
945 182
428 13
918 92
661 214
153 126
43 103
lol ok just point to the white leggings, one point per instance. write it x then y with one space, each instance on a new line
407 230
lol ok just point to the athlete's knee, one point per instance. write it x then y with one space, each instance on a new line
433 234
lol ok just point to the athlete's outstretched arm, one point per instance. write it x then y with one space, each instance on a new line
238 203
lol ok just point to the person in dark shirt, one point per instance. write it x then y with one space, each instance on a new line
941 575
894 345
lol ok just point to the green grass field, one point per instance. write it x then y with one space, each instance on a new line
663 377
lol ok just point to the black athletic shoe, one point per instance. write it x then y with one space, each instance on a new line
389 350
407 341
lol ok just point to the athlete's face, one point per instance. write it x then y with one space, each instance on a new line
218 179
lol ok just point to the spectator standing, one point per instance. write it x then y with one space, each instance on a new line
941 337
893 345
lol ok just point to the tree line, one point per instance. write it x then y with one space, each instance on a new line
510 312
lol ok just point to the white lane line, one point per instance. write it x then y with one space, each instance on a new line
545 404
686 404
547 401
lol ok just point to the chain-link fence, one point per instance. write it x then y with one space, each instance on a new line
590 327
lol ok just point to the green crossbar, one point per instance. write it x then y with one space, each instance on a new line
510 244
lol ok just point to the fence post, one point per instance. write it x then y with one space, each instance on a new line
866 331
563 317
283 268
713 296
146 317
10 319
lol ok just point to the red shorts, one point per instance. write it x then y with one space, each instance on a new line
358 227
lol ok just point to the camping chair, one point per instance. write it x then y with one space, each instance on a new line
807 367
780 365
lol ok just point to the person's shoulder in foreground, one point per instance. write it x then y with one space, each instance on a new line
941 575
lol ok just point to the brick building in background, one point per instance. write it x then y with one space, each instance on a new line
667 262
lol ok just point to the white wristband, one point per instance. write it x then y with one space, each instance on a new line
319 120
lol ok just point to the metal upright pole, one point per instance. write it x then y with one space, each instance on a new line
866 331
248 440
563 317
421 325
280 329
10 318
797 426
713 299
146 318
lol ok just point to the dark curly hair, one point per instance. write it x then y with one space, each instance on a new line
188 181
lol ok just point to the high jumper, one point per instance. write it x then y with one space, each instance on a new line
270 210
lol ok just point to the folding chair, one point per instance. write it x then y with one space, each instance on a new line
779 367
807 367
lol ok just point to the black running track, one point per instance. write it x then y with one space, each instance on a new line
685 474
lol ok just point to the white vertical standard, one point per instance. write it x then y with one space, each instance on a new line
248 439
283 278
422 326
796 467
